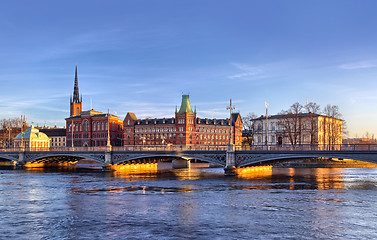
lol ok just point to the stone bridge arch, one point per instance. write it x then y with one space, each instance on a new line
245 159
10 157
215 158
31 157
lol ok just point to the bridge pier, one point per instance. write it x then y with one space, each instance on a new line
108 160
180 163
230 164
21 160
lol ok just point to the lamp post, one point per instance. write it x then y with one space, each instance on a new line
142 138
22 135
163 141
108 145
9 140
230 108
72 127
266 105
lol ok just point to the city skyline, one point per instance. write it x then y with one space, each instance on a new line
141 56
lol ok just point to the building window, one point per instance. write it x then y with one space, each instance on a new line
85 125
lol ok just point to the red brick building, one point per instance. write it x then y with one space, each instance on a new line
90 128
183 129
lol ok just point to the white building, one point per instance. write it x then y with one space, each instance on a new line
297 129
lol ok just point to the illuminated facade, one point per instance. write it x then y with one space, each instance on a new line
303 128
32 139
90 128
184 129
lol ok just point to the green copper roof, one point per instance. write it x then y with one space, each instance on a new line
32 133
185 105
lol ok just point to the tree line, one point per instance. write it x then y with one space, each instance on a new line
9 128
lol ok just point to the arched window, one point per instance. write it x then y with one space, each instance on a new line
94 126
77 111
98 129
85 125
101 126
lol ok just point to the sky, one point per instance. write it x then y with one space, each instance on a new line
141 56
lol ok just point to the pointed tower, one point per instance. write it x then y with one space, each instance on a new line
185 122
76 100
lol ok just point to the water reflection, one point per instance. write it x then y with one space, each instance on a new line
295 178
253 178
261 203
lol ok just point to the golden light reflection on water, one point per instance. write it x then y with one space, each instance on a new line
46 164
329 178
141 170
295 178
319 178
133 167
254 172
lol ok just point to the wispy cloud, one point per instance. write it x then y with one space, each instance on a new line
359 65
247 71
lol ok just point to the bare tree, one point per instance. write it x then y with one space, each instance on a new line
291 123
313 109
332 129
9 128
248 128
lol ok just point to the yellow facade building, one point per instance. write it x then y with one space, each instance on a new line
32 139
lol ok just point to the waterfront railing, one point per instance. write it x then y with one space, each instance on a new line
143 148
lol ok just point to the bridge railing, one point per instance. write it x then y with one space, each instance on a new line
286 147
312 147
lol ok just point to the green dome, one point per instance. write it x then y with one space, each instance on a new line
32 134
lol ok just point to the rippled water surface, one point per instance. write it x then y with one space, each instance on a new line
196 204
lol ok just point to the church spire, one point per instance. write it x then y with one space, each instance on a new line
76 95
76 100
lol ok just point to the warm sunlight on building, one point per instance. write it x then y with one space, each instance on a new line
303 128
32 139
184 129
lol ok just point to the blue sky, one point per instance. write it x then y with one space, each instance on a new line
140 56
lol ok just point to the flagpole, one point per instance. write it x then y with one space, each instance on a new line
266 104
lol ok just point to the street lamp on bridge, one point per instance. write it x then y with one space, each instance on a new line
230 108
72 127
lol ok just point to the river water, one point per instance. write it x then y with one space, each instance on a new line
302 203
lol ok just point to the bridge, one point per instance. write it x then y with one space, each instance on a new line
228 157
